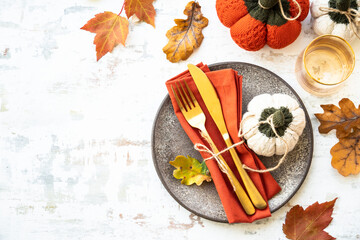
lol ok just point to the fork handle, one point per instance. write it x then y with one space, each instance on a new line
253 192
239 190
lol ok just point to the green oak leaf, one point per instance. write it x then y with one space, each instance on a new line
190 170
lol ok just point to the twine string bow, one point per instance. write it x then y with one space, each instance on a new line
282 10
352 15
202 148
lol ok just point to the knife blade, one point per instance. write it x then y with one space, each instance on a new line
212 102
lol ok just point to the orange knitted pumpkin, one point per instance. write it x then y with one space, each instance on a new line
254 23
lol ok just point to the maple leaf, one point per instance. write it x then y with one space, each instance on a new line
187 35
343 119
190 170
110 28
309 224
346 154
143 9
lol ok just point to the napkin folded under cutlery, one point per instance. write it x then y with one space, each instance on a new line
228 85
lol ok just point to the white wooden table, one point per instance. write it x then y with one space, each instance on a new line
75 154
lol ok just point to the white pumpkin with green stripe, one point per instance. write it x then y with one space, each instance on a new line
332 22
288 119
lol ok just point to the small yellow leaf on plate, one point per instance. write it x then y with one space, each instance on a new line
190 170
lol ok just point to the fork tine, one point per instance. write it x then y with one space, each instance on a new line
191 95
182 108
186 94
181 93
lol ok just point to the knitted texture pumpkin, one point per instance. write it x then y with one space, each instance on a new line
335 23
254 23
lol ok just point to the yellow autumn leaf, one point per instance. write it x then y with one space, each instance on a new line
186 35
190 170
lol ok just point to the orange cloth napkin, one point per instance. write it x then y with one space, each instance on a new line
228 85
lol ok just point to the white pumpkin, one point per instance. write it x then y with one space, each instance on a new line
288 118
334 23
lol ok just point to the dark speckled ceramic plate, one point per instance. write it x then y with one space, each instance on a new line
170 140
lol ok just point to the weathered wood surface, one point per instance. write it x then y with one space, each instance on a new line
75 133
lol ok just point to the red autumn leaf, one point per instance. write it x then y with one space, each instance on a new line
143 9
110 28
309 224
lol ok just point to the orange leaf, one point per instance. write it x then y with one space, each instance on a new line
309 224
110 29
346 154
187 35
143 9
343 119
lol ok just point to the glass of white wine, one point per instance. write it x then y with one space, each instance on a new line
325 64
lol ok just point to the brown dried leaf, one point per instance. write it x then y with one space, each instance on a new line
343 119
346 154
187 35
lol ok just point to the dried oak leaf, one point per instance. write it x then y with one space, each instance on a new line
190 170
143 9
110 28
309 224
343 119
346 154
187 35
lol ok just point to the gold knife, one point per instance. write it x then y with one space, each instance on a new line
212 103
240 192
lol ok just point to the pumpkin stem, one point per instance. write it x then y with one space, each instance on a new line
266 4
343 5
278 118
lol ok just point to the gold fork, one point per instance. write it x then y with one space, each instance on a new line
194 115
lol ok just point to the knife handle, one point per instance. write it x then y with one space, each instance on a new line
253 192
239 190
